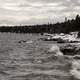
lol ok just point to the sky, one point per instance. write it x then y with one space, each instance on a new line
16 12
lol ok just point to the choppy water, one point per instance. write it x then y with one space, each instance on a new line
24 57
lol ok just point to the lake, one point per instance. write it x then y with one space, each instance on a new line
25 57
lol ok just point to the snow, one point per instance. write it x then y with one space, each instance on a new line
66 37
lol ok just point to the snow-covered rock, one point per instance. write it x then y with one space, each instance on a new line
62 38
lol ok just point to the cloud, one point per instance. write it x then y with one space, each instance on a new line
37 11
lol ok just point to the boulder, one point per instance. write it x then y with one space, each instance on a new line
78 35
61 40
70 50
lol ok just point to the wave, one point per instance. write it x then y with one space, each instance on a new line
55 49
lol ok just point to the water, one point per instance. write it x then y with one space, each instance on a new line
24 57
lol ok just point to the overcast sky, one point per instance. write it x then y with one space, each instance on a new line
37 11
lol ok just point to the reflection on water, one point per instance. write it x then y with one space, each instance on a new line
31 60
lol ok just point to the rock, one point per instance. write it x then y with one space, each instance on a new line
21 41
78 35
60 41
76 57
70 50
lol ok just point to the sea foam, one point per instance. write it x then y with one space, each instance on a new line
55 49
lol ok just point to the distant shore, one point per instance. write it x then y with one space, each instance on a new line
63 27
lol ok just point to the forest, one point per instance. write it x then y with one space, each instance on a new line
59 27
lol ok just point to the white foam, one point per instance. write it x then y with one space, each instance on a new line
75 73
29 42
75 69
55 49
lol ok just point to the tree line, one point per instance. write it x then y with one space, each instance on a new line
63 27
